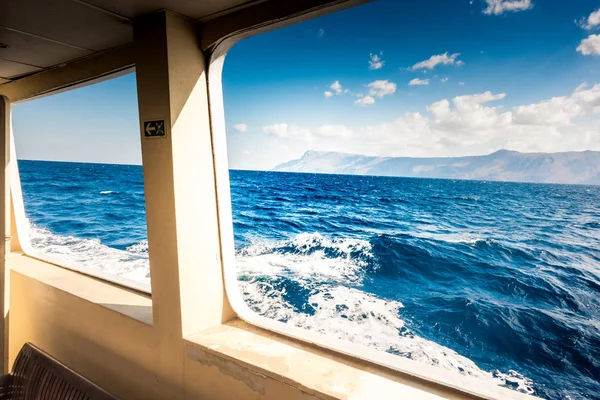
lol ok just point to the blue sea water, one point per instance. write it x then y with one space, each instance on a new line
500 281
89 214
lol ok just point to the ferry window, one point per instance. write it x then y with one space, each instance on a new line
422 178
79 161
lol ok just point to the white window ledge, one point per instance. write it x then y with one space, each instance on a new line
112 296
251 355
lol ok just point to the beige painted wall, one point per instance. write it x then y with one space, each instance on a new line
116 351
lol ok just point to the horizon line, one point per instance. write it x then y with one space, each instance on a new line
80 162
327 151
472 155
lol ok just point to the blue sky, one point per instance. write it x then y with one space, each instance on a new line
95 123
518 74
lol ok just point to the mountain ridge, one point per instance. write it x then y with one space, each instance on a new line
572 167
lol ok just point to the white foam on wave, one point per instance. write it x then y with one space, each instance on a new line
90 253
140 248
346 313
109 192
467 238
308 258
432 232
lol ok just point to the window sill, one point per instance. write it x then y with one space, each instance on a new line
112 296
251 355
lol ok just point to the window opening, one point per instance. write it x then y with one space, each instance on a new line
79 161
426 185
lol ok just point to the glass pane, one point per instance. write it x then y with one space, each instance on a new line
81 176
422 178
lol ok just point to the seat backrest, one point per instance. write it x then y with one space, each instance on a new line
38 376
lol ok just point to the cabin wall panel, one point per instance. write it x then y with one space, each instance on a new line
221 379
114 351
121 354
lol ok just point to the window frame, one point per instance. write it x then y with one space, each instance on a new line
225 217
461 385
21 224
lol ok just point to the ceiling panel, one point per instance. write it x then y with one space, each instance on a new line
47 33
35 51
9 69
67 21
191 8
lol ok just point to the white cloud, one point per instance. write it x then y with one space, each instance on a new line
588 98
418 82
590 22
469 113
281 130
470 124
335 131
365 101
590 46
440 59
293 132
337 87
381 88
321 33
461 83
376 62
497 7
444 80
240 127
556 111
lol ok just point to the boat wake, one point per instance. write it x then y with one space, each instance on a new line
316 283
131 263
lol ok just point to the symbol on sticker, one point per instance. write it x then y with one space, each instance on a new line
154 128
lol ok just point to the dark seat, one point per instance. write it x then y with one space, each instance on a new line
38 376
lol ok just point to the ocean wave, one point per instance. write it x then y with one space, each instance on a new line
457 198
592 225
91 253
139 248
307 255
468 238
327 273
505 275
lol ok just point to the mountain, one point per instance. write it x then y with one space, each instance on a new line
504 165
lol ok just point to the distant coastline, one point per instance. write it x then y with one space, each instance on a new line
582 167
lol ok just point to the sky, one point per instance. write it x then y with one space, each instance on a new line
388 78
95 123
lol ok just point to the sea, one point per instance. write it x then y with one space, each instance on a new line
496 280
